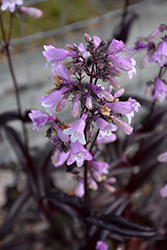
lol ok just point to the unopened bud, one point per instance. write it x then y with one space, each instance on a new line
71 71
75 106
62 103
88 101
87 37
144 62
155 33
118 93
148 89
109 97
113 82
56 155
69 47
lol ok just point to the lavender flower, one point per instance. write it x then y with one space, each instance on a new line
39 119
162 157
163 191
34 12
55 55
78 154
160 92
160 55
125 108
77 131
49 101
79 191
101 246
10 4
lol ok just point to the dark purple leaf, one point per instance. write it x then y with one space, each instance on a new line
70 205
16 142
14 213
24 242
9 116
123 228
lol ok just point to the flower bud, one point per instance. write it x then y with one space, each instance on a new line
62 103
155 33
144 62
56 155
34 12
75 106
118 93
69 47
87 37
109 97
88 101
113 82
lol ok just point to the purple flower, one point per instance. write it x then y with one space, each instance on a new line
92 184
106 128
62 103
82 50
60 133
132 70
63 157
11 4
49 101
60 70
101 167
155 33
34 12
55 55
101 246
77 131
78 154
145 61
163 191
116 46
56 156
107 139
125 108
122 125
162 157
88 101
39 119
160 92
75 106
96 41
79 191
141 45
160 55
120 63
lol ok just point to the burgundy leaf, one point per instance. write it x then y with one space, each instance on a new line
14 213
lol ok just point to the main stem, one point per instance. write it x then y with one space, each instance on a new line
13 75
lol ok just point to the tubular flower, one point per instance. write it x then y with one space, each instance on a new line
77 131
39 119
101 246
34 12
49 101
78 154
160 92
10 4
160 55
55 55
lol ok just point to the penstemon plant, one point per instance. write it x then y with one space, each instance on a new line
95 104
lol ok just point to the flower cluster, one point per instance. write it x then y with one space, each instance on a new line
155 53
96 106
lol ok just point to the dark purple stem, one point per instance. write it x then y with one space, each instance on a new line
13 74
